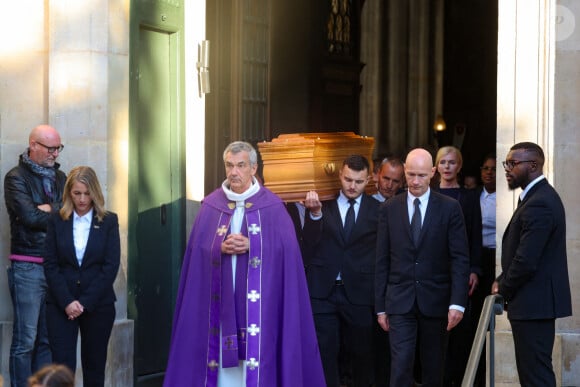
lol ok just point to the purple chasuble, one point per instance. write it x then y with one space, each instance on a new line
273 329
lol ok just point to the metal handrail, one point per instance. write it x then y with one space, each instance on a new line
492 306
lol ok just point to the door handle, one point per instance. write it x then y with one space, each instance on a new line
163 214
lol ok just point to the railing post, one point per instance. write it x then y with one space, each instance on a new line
492 306
491 352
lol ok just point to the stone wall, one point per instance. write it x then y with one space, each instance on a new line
66 63
538 93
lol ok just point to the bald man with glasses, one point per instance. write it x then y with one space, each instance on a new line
32 191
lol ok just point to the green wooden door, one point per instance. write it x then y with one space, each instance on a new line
156 232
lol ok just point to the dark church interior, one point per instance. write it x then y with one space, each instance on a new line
301 67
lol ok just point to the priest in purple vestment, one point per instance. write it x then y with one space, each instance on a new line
243 315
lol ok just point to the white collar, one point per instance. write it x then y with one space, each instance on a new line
88 216
344 200
423 198
486 193
241 197
529 186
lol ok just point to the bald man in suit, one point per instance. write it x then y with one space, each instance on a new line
421 278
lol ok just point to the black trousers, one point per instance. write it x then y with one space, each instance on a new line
458 349
334 317
406 331
533 342
477 299
382 350
95 328
485 281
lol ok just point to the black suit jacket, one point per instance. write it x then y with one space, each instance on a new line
534 280
91 283
297 221
436 273
470 206
331 253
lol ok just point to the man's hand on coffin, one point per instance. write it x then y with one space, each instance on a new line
312 202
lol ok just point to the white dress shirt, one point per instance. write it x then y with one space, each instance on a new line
487 202
424 199
529 186
343 206
81 229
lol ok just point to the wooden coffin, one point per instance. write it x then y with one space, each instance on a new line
297 163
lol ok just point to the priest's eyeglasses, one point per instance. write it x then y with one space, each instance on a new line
508 165
51 149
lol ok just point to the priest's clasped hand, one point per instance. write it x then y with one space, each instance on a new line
235 244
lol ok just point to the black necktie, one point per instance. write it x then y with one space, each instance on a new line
349 219
416 222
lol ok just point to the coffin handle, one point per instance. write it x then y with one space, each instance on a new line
329 168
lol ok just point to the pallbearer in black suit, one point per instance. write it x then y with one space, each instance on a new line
534 280
422 273
297 213
390 179
340 274
81 261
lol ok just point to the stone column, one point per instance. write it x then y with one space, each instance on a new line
402 47
88 102
23 97
394 120
371 75
538 89
418 87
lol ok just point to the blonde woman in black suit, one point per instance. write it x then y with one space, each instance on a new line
82 254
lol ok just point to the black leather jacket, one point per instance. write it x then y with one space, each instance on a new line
23 192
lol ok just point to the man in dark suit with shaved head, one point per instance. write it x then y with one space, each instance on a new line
421 274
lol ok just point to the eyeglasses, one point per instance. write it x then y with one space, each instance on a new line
508 165
488 169
51 149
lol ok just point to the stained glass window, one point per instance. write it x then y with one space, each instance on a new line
255 54
338 27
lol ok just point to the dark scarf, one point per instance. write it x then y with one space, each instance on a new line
48 174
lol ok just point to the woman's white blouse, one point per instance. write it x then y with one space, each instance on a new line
81 229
